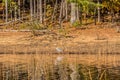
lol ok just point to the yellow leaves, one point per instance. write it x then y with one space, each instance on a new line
13 3
49 11
112 4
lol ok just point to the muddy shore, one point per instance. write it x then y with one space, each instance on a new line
75 41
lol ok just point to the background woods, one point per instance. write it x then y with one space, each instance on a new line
49 12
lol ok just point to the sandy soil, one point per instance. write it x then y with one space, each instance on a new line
91 40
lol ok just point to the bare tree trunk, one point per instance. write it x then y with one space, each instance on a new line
61 11
44 12
31 9
23 9
66 8
95 16
63 8
15 13
73 13
19 9
34 8
3 14
6 10
99 17
40 6
80 14
37 9
54 11
77 12
11 13
112 16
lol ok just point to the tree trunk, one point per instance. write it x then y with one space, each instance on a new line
44 12
40 5
77 12
73 13
19 9
3 14
63 7
34 8
54 11
112 16
11 12
23 9
80 7
61 11
6 10
66 8
15 13
31 9
37 14
95 16
99 17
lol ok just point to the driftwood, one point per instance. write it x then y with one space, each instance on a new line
11 22
42 32
25 30
8 30
15 21
34 32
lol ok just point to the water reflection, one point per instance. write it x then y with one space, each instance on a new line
71 67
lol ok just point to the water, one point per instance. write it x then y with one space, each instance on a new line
70 67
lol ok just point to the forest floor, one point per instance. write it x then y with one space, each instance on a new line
72 40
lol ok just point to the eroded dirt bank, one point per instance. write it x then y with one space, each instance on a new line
104 40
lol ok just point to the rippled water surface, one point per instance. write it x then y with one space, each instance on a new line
59 67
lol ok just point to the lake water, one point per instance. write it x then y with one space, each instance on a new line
59 67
